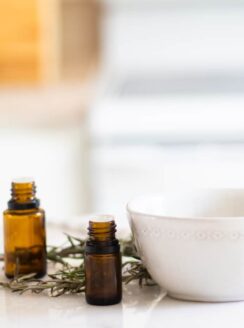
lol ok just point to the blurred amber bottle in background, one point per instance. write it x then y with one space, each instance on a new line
24 232
103 263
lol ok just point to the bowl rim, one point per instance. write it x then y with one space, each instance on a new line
171 217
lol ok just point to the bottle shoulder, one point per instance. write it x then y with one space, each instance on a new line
33 211
107 247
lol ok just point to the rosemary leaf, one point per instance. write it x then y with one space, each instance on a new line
70 279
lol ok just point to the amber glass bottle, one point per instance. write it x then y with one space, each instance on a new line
24 232
103 263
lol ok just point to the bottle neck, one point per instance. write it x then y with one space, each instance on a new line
23 196
101 231
102 236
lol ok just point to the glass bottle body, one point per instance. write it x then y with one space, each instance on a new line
103 265
24 242
24 232
103 278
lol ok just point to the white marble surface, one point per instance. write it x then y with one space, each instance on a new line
140 308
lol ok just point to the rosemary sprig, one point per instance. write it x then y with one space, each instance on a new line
70 279
136 271
74 249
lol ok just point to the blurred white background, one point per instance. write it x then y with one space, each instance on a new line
161 106
172 112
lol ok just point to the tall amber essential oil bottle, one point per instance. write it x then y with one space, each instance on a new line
24 232
103 263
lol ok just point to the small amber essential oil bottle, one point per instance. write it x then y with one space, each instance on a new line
24 232
103 263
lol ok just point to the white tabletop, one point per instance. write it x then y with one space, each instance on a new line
145 307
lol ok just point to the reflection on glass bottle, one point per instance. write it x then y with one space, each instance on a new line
24 232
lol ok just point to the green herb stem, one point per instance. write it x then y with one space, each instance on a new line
70 279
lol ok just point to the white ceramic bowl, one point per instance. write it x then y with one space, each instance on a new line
192 243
